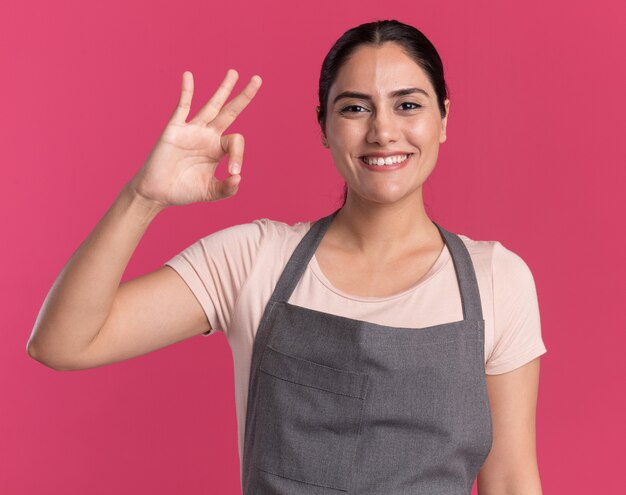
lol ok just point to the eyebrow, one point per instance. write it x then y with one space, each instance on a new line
393 94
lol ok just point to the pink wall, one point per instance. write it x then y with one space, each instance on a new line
534 158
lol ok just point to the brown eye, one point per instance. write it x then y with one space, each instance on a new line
349 107
416 105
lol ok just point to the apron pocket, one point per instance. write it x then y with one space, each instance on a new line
308 418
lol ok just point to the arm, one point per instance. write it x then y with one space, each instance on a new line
511 467
87 318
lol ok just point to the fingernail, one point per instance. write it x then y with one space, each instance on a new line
235 168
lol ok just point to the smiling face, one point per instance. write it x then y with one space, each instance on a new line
369 114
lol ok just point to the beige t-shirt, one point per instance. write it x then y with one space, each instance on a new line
233 272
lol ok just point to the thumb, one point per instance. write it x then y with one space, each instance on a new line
226 188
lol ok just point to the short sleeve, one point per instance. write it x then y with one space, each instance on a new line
217 266
516 319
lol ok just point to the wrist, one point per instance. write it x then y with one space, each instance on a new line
143 207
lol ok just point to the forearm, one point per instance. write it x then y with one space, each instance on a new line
81 297
520 484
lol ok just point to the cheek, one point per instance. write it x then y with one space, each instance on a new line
345 135
424 133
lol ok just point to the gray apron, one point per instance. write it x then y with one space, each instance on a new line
337 404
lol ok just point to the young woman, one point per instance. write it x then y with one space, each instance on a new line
375 351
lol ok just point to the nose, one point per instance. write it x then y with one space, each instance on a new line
383 128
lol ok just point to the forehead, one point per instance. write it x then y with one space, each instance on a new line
378 70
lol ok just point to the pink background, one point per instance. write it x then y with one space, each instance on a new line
534 158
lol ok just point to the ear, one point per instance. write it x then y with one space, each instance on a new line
317 112
444 122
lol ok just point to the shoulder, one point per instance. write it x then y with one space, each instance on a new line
258 231
493 257
282 229
262 238
282 237
510 281
481 253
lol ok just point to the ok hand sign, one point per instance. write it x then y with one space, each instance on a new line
181 167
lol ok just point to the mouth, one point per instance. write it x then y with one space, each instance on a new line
379 164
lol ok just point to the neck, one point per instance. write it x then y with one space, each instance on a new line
384 231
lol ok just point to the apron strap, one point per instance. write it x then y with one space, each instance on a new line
465 275
300 258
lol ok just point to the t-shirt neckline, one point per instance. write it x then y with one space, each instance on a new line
436 267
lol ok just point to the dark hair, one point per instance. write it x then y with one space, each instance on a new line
376 33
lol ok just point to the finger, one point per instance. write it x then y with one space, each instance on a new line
184 103
233 145
225 188
212 107
234 107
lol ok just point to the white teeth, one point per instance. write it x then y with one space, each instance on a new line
389 160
